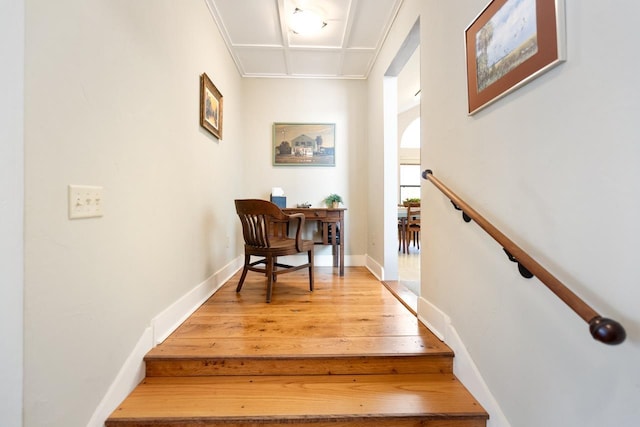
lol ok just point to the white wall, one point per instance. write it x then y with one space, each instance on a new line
11 209
407 155
342 102
112 92
555 166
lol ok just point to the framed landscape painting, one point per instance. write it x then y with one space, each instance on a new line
210 106
509 44
304 144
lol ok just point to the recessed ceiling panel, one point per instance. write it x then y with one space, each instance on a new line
371 23
250 22
357 64
267 62
314 63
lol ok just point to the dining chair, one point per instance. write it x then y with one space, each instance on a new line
412 228
401 235
265 230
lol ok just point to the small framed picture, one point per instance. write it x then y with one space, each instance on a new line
210 106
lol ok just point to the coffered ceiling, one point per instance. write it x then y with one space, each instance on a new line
262 45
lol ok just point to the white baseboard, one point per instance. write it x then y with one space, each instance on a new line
172 317
133 370
375 268
130 375
354 260
433 318
463 367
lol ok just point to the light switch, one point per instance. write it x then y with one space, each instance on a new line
85 201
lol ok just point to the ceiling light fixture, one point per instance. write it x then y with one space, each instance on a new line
306 22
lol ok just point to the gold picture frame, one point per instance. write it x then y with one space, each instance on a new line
510 43
210 106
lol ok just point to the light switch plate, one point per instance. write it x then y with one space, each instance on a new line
85 201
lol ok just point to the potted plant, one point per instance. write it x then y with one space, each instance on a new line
333 200
411 201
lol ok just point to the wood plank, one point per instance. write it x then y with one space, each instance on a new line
256 329
404 295
299 398
304 365
345 422
311 346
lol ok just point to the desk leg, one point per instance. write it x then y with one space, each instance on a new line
334 242
337 249
334 246
341 248
325 233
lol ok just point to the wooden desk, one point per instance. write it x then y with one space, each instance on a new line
332 222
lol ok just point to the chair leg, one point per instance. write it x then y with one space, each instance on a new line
270 275
310 255
247 261
405 241
275 276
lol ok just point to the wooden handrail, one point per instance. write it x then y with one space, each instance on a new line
602 329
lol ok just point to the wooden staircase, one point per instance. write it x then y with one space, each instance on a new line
348 354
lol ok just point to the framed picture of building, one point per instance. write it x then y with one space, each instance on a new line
510 43
304 144
210 106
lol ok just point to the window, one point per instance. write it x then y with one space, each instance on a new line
409 182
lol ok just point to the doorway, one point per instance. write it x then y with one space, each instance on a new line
402 144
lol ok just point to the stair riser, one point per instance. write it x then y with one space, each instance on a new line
306 366
371 422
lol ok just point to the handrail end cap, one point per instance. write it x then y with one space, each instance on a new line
607 331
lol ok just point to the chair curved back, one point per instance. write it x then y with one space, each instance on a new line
413 216
257 218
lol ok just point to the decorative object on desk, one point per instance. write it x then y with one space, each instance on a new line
278 197
210 106
305 205
304 144
279 201
510 43
333 200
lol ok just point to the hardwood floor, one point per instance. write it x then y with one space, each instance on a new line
348 353
407 287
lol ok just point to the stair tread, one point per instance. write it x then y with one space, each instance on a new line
319 397
421 345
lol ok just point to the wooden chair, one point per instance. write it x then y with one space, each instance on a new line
265 230
402 223
412 230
